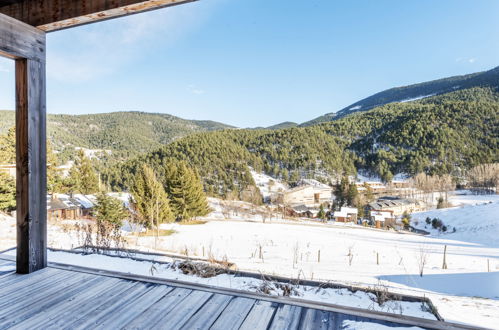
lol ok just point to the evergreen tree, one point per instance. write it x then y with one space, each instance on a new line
352 194
7 193
322 214
54 180
150 199
186 193
110 210
82 176
8 147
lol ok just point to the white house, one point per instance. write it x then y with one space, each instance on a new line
346 214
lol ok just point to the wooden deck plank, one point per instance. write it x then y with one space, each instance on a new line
38 301
91 321
313 319
46 315
208 313
72 316
135 308
18 278
162 307
260 315
177 316
234 314
17 291
286 317
7 268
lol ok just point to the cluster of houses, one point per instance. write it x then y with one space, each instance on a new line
306 199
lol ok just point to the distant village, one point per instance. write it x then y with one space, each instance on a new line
308 199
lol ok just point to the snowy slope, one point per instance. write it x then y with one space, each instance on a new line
267 184
474 223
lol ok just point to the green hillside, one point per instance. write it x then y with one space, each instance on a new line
122 132
443 134
449 133
223 159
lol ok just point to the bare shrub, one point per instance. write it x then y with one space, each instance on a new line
422 259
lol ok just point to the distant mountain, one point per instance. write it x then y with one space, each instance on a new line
128 132
444 134
286 124
415 92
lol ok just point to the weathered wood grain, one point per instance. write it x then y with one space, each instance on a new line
86 308
177 316
111 307
73 303
314 319
21 311
286 317
260 315
20 40
234 314
208 313
31 161
128 312
52 15
162 307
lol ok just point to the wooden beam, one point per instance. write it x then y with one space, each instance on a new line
19 40
26 45
52 15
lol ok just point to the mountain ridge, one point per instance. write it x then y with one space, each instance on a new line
414 92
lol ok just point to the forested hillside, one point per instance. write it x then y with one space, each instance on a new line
122 132
413 92
442 134
223 159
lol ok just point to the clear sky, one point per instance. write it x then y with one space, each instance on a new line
260 62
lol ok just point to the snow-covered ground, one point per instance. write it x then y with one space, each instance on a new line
464 292
267 185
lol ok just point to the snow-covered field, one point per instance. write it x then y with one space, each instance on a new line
464 292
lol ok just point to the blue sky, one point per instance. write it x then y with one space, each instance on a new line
259 62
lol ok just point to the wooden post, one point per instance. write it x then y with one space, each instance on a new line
26 45
31 166
444 264
377 258
319 256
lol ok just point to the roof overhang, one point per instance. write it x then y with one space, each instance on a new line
50 15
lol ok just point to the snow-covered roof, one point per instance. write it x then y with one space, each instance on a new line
84 201
381 215
345 211
313 182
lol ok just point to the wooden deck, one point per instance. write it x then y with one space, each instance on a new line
73 298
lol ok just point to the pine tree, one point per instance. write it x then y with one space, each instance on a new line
186 193
110 210
8 147
150 199
54 179
351 194
7 193
322 214
82 176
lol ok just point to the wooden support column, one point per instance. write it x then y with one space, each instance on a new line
31 163
26 45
